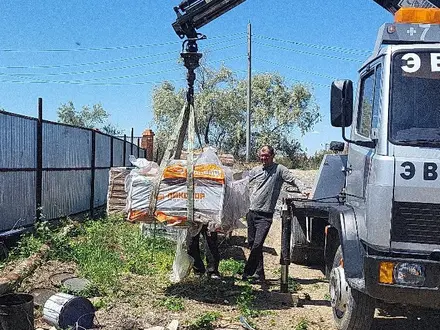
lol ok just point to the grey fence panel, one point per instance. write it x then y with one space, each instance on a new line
127 153
101 187
18 137
17 199
102 150
65 192
118 152
66 146
67 169
139 153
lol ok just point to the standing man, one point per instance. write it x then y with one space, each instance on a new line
265 186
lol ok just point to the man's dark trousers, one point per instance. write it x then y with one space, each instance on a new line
258 227
211 251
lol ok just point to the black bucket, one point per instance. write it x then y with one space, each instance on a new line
17 312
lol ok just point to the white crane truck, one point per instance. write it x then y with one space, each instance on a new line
373 220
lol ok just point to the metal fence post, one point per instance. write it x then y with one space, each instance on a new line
111 151
92 183
125 149
131 141
39 168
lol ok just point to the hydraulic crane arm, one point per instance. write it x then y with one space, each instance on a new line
394 5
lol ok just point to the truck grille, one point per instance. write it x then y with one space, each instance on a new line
416 223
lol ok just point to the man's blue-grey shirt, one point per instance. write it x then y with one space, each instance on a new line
265 186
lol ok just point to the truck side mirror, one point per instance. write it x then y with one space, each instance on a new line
341 104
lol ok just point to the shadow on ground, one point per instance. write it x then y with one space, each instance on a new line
230 291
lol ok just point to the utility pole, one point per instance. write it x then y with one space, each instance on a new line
249 92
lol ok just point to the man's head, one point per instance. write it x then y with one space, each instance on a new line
266 155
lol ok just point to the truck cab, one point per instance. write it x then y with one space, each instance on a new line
380 236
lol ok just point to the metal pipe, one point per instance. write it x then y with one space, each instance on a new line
286 233
39 172
249 95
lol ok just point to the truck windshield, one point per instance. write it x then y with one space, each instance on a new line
415 98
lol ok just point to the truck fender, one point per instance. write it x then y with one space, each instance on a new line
343 220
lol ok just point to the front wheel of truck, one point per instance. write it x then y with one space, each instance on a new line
352 309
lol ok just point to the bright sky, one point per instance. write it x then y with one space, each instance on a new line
115 52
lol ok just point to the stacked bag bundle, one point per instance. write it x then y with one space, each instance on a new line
219 201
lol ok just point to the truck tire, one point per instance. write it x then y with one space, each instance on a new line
352 309
298 243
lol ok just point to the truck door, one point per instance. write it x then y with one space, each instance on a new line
365 128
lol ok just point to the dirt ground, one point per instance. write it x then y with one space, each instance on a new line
136 307
139 311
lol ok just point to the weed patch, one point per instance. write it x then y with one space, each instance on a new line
303 324
111 248
245 301
104 250
294 286
174 304
230 267
204 321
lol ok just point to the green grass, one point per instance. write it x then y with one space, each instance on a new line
174 304
303 324
230 267
111 248
204 321
105 250
245 301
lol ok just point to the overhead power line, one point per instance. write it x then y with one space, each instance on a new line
322 75
94 49
90 71
110 69
316 46
59 66
115 77
310 53
79 82
298 81
126 59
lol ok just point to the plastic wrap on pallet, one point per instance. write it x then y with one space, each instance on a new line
209 191
219 200
138 185
236 203
183 262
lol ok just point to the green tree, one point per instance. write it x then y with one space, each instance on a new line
279 112
94 117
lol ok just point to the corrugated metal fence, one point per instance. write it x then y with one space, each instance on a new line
50 170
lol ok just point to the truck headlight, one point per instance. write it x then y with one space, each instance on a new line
409 274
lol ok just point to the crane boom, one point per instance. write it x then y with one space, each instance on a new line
394 5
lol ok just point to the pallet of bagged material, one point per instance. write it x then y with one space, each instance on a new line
116 195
